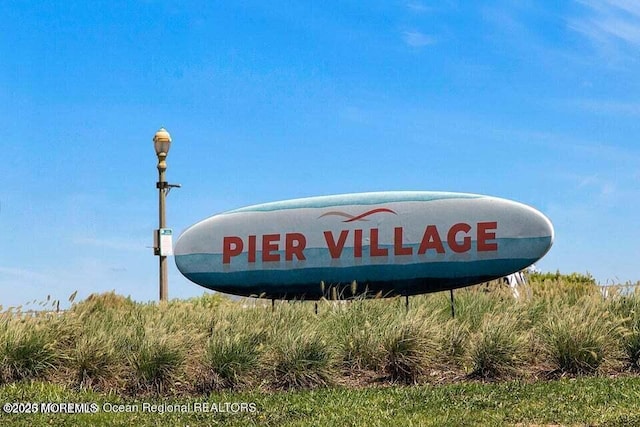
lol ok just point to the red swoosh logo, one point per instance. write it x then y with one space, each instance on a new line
361 217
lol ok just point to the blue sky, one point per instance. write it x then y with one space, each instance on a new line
532 101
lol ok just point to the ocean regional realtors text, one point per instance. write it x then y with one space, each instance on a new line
295 243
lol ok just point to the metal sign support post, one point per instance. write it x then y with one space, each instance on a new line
453 309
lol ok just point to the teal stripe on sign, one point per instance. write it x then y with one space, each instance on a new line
373 273
356 199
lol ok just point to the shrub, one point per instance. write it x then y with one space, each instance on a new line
569 287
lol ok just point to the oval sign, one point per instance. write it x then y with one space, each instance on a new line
389 243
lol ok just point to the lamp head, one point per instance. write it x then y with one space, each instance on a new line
162 142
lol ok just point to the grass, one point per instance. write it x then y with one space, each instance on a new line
561 326
156 363
359 334
628 309
499 348
560 354
230 361
583 401
92 360
582 339
409 349
26 350
303 360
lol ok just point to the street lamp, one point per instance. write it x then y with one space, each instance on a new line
162 244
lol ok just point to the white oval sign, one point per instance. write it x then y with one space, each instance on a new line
396 243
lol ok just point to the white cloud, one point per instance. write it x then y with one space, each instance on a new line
599 186
610 24
417 7
417 39
631 6
616 108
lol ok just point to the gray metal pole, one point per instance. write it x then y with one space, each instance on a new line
162 186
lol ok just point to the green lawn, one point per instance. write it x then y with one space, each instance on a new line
584 401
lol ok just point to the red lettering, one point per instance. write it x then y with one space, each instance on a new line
398 249
431 240
451 238
231 246
374 250
251 256
357 243
294 245
335 249
484 235
270 247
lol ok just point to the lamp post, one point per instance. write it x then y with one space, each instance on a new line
162 143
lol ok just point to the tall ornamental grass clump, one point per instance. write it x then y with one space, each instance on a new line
91 342
627 308
102 304
26 348
302 360
581 339
231 361
499 348
472 304
359 332
409 349
92 362
157 363
151 343
298 351
233 349
453 342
